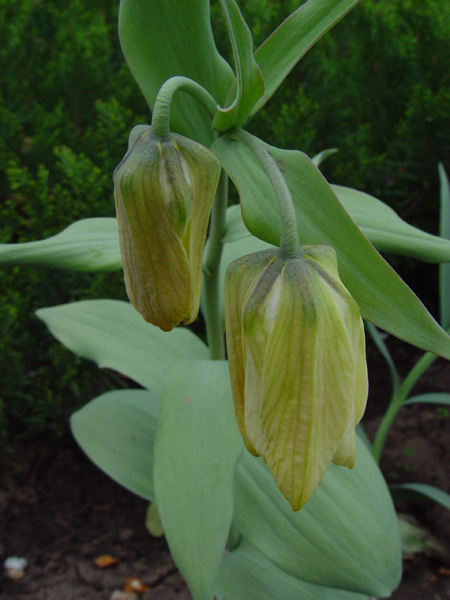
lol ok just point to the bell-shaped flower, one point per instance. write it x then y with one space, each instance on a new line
164 189
296 351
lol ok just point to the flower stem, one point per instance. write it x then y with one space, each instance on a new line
397 400
289 242
211 265
161 109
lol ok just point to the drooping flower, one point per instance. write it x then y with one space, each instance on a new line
164 189
296 351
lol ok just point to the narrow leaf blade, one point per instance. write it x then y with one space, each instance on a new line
444 270
420 491
430 398
387 231
249 84
294 37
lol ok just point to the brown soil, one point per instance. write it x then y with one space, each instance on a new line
61 512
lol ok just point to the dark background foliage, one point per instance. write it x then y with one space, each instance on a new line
377 87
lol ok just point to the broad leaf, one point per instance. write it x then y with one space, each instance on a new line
420 491
196 451
114 335
117 431
430 398
249 84
383 297
163 38
444 230
294 37
246 574
87 245
234 226
346 535
387 231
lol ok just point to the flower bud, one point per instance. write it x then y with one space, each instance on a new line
164 189
296 351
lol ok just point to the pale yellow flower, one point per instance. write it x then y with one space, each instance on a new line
296 351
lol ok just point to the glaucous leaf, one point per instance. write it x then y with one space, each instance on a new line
420 491
294 37
429 398
246 574
196 451
319 158
383 297
444 230
86 245
346 535
117 431
249 84
164 38
114 335
416 538
387 231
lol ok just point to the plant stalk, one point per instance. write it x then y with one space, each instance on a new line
211 266
397 400
161 109
289 242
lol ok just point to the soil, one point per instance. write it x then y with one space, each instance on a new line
61 513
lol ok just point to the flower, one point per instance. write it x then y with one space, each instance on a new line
296 351
164 189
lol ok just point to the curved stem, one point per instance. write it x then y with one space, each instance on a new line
213 254
289 243
161 109
397 402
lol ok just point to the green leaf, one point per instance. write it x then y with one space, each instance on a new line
246 574
153 520
294 37
384 299
87 245
164 38
430 398
444 230
114 335
420 491
238 242
249 84
415 538
346 535
384 351
387 231
196 450
116 431
235 228
318 159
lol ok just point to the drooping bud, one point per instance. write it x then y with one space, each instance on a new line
164 189
296 351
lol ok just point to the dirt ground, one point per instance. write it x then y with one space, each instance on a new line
61 513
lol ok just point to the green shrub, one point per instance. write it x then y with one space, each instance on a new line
377 87
66 106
